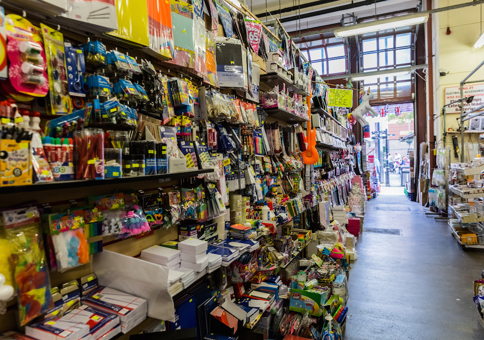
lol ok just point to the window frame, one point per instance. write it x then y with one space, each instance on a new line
394 82
303 46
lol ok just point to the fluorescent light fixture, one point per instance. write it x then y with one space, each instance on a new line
394 72
379 25
480 42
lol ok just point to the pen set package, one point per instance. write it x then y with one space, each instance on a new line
16 160
89 145
161 158
188 150
148 150
59 153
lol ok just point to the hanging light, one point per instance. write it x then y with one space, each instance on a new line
379 25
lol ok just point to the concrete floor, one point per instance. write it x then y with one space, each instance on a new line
417 285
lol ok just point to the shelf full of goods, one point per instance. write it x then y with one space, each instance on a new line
192 203
465 202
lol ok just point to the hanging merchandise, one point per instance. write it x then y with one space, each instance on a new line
27 70
75 69
132 22
254 30
226 20
199 36
211 61
183 34
28 260
60 101
160 29
230 64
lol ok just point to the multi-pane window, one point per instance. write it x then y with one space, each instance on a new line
327 56
385 50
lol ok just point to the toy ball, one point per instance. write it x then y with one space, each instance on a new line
6 293
2 279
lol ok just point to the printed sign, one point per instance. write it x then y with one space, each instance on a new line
453 93
254 30
340 98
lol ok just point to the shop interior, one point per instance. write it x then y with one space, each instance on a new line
241 169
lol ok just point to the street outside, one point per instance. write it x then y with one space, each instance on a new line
395 188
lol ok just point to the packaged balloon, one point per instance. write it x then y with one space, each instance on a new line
6 275
70 243
28 261
25 51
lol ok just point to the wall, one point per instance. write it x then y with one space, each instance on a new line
455 53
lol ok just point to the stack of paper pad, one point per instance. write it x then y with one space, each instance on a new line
228 254
214 262
161 255
242 245
175 288
188 277
53 329
194 254
130 309
241 231
100 323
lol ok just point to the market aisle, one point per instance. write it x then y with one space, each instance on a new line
417 285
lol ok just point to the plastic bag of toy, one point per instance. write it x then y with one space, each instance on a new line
28 262
6 274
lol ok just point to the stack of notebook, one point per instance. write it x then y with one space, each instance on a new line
100 323
228 254
194 254
161 255
241 231
52 329
130 309
214 262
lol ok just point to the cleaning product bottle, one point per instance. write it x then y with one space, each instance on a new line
266 213
272 215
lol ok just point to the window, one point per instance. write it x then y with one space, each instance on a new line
385 50
327 56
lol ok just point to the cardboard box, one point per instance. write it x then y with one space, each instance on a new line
260 62
302 300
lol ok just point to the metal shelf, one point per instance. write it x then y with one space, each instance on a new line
273 78
463 195
66 185
285 115
321 145
457 238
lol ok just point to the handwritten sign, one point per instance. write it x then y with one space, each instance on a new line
340 98
453 93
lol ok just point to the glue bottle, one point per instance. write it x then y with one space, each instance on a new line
266 213
35 121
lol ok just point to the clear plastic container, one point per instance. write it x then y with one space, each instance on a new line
113 163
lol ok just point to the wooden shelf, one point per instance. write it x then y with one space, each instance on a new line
285 115
41 187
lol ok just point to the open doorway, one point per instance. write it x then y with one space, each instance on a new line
390 141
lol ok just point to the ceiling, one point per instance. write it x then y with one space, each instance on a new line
318 13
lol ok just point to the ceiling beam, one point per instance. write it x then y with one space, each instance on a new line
295 8
346 7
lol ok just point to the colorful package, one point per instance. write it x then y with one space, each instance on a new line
132 22
160 28
211 62
183 35
56 67
27 70
28 260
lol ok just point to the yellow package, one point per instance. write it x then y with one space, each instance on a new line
15 163
132 22
60 102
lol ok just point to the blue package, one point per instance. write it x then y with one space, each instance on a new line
75 69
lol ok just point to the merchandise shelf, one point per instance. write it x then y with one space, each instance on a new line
90 183
285 115
457 238
464 195
325 113
274 78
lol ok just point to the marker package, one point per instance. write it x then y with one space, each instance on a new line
161 158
